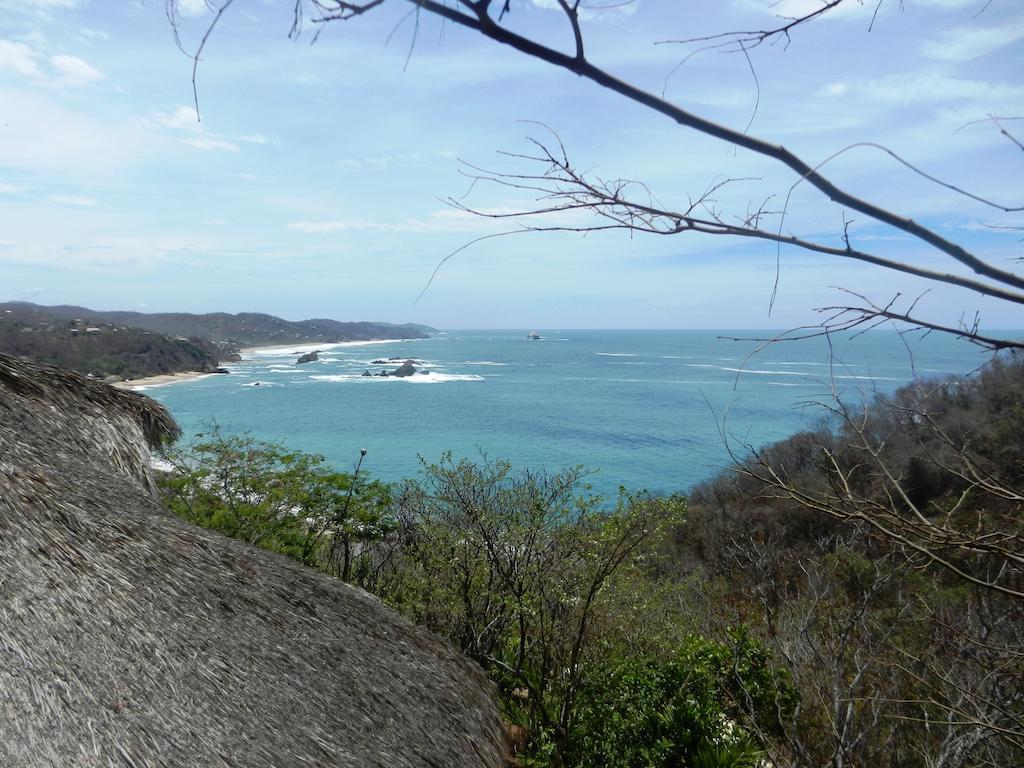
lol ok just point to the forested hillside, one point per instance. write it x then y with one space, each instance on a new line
101 349
135 344
235 331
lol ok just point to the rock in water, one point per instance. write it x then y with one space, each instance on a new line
405 369
309 357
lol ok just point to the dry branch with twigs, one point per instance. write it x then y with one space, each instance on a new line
561 188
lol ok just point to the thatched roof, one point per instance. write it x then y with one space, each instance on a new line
131 638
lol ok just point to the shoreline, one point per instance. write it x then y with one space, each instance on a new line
161 380
303 347
247 354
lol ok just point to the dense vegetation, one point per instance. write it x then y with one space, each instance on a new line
131 345
851 596
101 349
231 332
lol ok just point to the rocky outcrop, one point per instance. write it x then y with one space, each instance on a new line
405 369
309 357
386 360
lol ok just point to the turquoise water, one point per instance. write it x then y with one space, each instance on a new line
641 408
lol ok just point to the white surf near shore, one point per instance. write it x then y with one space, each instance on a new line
284 350
431 377
162 380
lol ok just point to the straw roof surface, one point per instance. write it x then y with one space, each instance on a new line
131 638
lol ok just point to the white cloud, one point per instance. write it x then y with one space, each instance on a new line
23 59
74 71
50 4
76 200
10 189
193 7
966 43
832 89
40 9
792 9
208 142
29 6
933 87
946 3
93 34
256 138
447 220
599 11
19 58
321 227
183 119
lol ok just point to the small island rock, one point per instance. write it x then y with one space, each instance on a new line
310 357
405 369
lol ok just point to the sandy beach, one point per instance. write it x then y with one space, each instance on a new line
247 353
303 347
162 380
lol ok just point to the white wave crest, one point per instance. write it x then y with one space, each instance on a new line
765 373
419 378
286 350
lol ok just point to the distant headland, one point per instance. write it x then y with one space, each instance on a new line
120 345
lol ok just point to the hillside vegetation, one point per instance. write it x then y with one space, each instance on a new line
101 349
134 344
246 329
850 596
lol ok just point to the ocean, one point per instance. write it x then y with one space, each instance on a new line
646 410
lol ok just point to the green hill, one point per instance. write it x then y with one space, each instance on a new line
232 332
90 346
136 344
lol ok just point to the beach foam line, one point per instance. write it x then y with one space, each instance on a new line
285 350
162 380
870 377
783 362
419 378
765 373
615 354
865 377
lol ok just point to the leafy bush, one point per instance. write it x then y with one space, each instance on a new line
687 709
286 501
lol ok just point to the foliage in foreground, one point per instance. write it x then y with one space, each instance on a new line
285 501
522 572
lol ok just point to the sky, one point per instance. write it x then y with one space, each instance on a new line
314 182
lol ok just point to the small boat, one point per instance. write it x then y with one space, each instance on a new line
533 335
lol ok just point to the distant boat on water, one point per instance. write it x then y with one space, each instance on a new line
533 335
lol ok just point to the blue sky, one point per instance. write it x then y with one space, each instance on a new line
314 184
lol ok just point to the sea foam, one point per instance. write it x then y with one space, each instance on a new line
432 377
